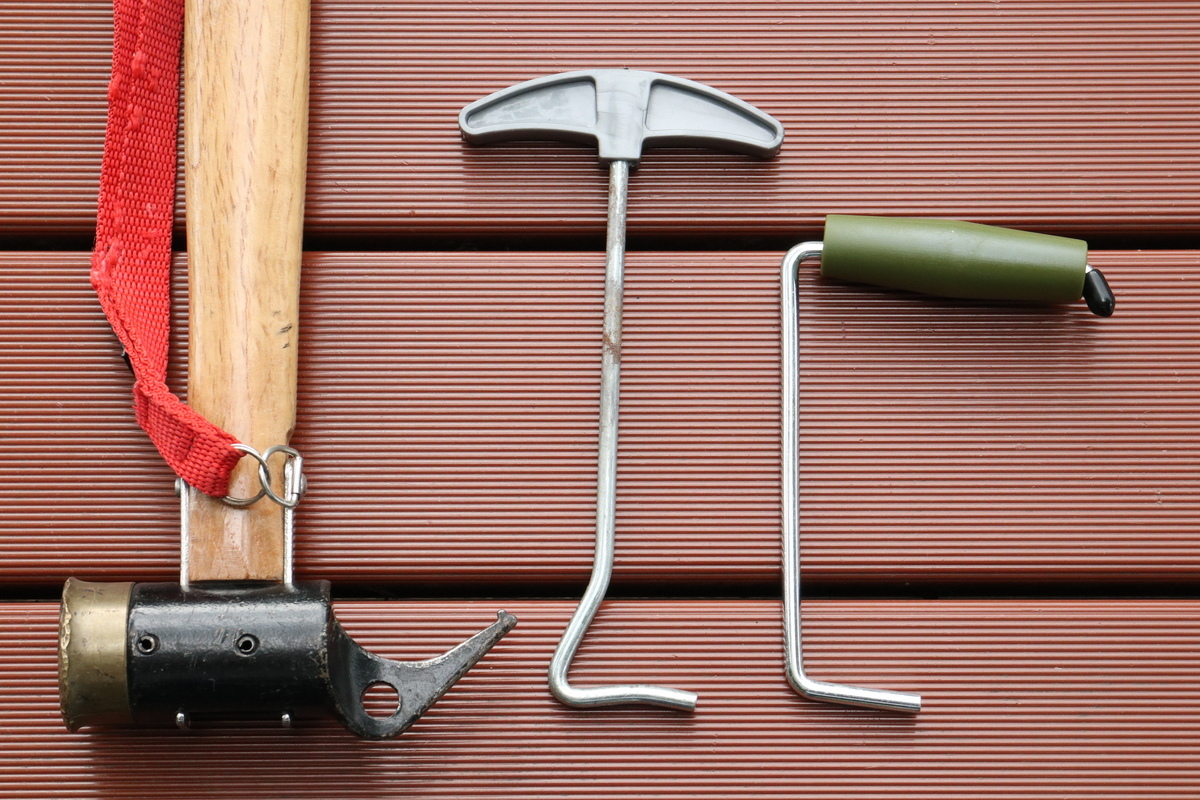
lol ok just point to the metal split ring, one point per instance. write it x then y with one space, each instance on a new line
264 478
290 452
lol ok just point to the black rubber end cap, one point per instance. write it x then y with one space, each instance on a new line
1098 295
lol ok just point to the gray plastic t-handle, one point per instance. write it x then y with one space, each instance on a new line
623 111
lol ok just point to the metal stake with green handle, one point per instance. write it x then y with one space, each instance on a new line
622 111
939 257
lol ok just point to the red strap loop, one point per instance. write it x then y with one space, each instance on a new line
131 264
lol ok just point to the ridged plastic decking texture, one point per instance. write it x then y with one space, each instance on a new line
1075 118
448 417
1030 699
448 408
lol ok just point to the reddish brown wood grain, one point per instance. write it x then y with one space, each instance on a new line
1030 699
1061 117
448 418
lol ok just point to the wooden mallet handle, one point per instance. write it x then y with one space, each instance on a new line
245 125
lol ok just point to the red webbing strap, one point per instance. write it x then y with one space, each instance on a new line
131 265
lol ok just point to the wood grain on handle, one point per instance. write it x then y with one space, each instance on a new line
245 125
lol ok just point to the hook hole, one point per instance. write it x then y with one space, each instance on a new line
247 643
146 644
380 699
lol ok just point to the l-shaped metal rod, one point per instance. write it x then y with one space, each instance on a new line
806 686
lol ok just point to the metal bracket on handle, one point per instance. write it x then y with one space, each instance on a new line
806 686
294 486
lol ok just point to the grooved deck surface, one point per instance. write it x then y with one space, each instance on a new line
449 385
448 418
1069 118
1030 699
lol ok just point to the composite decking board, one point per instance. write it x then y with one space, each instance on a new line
1031 699
448 416
1075 118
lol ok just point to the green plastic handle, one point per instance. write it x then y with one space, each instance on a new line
954 259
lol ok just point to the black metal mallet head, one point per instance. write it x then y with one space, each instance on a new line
176 654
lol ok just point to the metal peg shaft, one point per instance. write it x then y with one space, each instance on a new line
606 484
806 686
